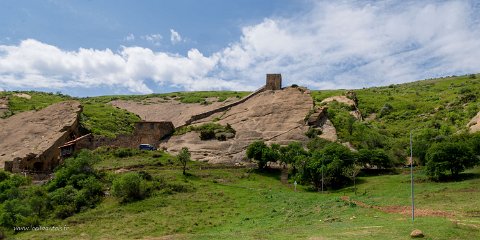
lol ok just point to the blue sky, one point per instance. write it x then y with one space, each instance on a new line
86 48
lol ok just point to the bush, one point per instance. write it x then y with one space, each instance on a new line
313 132
260 152
385 110
449 156
207 134
130 187
374 158
125 152
74 170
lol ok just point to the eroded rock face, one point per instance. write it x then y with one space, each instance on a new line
274 116
32 138
474 124
3 106
157 109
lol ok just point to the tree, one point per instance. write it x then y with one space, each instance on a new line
352 172
291 153
374 158
329 162
449 156
183 157
258 150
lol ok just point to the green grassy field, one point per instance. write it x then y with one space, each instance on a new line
245 204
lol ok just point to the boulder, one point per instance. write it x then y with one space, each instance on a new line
416 234
474 124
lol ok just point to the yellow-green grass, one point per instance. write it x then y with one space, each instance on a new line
245 204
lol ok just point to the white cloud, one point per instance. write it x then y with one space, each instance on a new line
334 45
155 39
130 37
175 37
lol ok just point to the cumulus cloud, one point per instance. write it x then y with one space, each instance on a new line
352 45
334 45
175 37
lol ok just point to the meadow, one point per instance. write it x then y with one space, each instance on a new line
220 202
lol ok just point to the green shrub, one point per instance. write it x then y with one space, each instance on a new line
262 153
207 134
74 170
313 132
385 110
130 187
125 152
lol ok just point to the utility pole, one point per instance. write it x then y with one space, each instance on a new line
411 177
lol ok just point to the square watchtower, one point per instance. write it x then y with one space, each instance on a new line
274 82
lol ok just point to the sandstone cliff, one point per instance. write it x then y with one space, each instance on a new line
32 138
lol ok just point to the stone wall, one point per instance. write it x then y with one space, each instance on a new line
223 108
144 133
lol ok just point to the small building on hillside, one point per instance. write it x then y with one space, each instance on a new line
70 147
274 81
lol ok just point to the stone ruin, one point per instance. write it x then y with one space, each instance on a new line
274 81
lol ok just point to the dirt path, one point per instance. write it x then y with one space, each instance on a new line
284 176
404 210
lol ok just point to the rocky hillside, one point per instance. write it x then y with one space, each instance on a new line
34 134
274 116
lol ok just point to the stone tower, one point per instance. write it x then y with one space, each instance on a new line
274 82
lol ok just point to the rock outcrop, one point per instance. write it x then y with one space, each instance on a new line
355 112
157 109
474 124
274 116
30 140
3 106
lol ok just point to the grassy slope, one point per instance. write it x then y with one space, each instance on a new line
38 101
442 105
241 204
416 105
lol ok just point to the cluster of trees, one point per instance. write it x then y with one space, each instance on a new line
76 186
323 163
448 157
